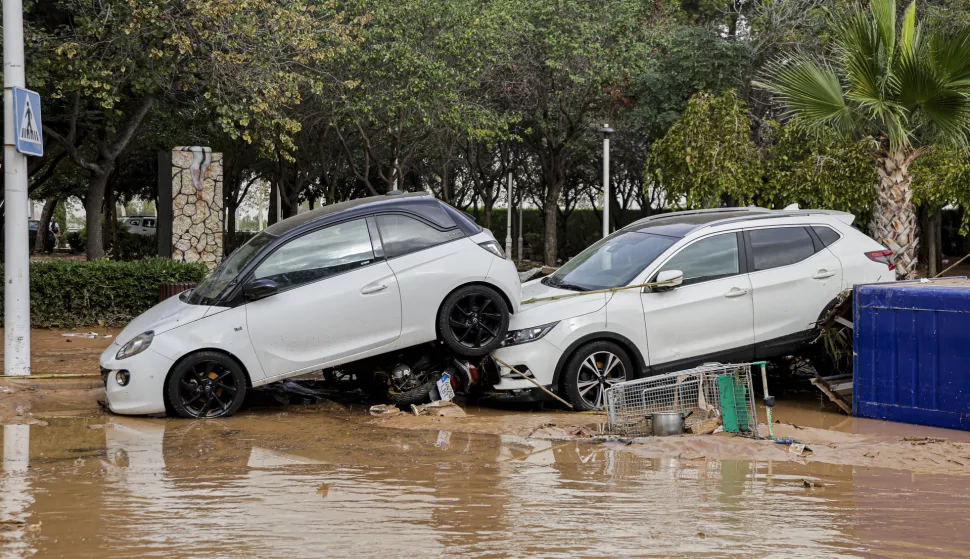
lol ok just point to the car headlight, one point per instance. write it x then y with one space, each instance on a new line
136 345
494 248
527 335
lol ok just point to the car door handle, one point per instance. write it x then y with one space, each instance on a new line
368 289
823 274
736 293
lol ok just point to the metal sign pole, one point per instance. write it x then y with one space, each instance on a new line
16 292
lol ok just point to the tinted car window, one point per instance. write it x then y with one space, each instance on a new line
226 273
464 221
401 234
707 259
133 222
780 246
611 262
434 213
149 223
826 234
318 255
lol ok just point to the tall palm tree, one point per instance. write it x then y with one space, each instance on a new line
902 85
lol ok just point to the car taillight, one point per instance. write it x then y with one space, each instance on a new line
883 257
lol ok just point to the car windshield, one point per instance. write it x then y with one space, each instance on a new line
226 273
611 262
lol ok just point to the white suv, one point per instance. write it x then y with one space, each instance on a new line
742 284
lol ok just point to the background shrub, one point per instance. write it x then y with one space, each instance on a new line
72 293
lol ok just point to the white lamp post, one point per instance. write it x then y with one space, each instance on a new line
606 130
16 293
508 222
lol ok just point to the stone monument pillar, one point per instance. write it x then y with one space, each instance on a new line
197 215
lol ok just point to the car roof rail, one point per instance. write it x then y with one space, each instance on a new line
772 214
682 213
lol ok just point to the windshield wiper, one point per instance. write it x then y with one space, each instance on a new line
570 286
548 280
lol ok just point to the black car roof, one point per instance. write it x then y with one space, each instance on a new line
350 208
679 224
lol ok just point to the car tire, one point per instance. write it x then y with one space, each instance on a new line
473 321
206 385
418 395
591 369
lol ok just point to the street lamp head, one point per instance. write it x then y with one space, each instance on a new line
606 130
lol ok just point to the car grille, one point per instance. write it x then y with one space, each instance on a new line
104 375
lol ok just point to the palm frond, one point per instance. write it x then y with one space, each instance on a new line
949 53
907 35
884 16
810 92
858 46
949 113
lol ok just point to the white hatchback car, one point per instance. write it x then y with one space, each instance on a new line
744 284
320 289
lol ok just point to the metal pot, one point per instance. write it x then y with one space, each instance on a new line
665 424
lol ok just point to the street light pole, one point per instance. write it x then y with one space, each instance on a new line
606 130
508 222
16 292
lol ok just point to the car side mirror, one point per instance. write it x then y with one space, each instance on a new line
669 279
260 289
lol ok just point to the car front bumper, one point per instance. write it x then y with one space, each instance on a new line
538 359
144 393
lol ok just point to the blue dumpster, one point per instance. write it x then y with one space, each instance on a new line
912 352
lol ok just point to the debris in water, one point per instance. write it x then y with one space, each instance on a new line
385 410
812 484
705 427
799 449
919 441
440 408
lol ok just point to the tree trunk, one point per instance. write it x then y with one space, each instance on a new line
92 207
487 212
271 218
893 216
935 245
555 179
550 231
43 231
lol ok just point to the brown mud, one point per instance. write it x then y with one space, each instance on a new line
53 353
327 481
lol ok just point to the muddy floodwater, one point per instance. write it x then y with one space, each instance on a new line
324 483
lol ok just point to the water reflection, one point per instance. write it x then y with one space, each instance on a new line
314 485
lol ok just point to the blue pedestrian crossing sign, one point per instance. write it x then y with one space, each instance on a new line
26 106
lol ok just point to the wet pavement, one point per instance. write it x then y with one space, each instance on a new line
315 482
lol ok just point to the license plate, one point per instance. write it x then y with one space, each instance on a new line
445 390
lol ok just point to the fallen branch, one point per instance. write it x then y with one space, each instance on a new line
532 380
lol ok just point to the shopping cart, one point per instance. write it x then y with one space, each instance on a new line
709 394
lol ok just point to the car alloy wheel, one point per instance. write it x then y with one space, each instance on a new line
473 321
207 385
598 372
593 369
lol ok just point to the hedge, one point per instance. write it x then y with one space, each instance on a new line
75 293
